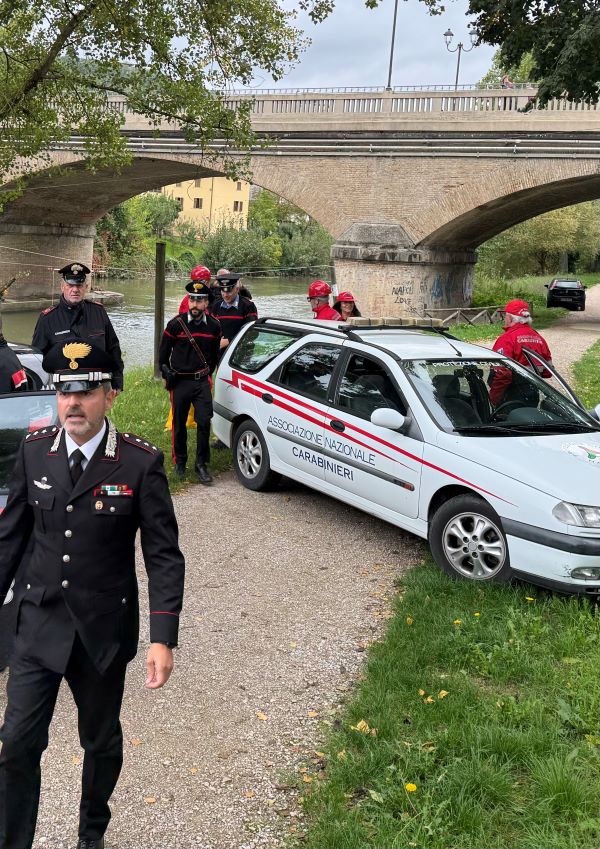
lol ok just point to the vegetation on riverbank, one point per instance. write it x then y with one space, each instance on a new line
587 377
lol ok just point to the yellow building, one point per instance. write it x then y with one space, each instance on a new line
212 201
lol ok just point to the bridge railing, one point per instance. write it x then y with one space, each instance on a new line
377 101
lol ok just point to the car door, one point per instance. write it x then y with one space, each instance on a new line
292 408
378 465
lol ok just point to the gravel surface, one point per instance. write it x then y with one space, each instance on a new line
280 605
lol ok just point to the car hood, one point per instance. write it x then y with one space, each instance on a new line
566 466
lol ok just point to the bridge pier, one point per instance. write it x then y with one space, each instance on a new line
30 252
390 277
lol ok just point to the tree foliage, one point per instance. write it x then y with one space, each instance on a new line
157 211
536 246
521 73
561 36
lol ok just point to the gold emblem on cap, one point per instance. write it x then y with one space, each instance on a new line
76 268
198 286
74 351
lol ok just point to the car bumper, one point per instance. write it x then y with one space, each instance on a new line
547 558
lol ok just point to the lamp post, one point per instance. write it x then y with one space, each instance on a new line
460 47
389 82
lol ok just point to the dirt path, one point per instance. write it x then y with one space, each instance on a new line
284 592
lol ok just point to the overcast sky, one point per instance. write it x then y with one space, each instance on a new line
352 47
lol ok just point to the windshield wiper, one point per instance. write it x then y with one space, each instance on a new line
560 426
495 429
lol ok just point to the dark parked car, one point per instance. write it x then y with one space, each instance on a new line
566 293
20 413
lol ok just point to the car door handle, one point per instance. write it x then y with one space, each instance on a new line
267 398
337 425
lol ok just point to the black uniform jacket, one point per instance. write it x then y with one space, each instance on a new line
12 374
88 320
177 351
81 573
232 319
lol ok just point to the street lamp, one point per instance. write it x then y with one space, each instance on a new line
460 47
389 83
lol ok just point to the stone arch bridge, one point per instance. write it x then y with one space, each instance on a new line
408 183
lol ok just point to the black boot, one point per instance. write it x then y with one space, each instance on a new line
204 475
90 844
180 470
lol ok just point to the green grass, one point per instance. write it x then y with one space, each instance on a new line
510 757
587 376
143 409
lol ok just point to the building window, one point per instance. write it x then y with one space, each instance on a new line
197 183
239 186
197 203
180 202
238 205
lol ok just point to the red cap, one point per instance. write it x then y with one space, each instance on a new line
348 297
200 272
319 289
518 308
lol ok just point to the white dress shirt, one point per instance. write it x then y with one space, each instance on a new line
87 449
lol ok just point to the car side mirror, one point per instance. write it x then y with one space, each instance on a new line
546 285
595 413
388 418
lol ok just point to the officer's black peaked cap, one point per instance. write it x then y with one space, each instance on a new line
227 279
75 365
74 271
197 287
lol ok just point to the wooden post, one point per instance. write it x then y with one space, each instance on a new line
159 302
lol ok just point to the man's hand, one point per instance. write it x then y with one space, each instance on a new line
159 665
164 383
224 343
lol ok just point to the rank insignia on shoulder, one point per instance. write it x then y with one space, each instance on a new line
139 442
40 434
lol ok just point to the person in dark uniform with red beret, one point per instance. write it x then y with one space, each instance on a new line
187 357
12 373
74 315
80 493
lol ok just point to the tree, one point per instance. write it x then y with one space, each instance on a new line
518 74
157 211
172 61
561 36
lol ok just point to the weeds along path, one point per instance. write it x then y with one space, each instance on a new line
284 592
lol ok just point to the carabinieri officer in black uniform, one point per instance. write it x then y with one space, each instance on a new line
187 357
81 492
74 315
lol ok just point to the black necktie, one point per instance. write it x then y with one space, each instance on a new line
76 468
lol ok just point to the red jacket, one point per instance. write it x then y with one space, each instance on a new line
511 344
326 313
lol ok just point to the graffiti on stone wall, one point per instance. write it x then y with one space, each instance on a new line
403 293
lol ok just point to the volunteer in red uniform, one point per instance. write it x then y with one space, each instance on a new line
518 334
318 298
198 274
346 306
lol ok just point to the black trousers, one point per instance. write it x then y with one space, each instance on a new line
197 393
32 691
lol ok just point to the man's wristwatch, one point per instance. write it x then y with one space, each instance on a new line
166 643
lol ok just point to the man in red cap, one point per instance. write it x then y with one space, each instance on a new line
518 334
318 298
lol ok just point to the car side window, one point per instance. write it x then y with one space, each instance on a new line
258 347
309 370
366 386
21 414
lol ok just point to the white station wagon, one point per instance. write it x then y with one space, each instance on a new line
397 421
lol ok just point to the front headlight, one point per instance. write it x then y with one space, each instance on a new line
577 514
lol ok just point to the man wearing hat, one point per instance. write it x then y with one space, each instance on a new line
187 357
74 315
79 494
231 308
518 334
12 374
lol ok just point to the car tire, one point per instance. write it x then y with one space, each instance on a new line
467 541
251 459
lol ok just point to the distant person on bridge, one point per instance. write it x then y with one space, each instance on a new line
518 334
12 374
318 298
76 316
346 306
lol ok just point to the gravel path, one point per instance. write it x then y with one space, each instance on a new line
273 635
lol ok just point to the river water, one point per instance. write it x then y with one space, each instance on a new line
133 320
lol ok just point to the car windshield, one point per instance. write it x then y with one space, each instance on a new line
566 284
21 413
493 398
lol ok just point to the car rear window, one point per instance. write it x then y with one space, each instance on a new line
566 284
258 347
